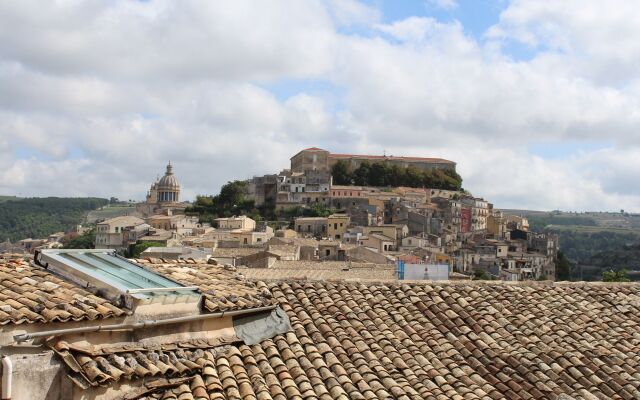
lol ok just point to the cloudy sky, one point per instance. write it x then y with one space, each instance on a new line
537 101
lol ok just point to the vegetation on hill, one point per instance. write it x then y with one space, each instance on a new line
581 245
137 249
563 267
592 243
596 254
7 198
85 241
40 217
383 174
626 255
615 276
231 201
315 210
540 222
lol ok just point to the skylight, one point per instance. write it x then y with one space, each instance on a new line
112 274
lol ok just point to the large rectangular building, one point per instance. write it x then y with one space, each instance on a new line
316 159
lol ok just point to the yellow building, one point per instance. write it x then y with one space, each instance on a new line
337 225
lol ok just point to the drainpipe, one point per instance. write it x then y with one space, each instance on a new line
7 371
138 325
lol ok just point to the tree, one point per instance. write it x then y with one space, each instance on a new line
563 267
413 177
85 241
22 218
615 276
140 247
341 174
385 174
378 175
318 210
480 274
232 194
361 174
231 201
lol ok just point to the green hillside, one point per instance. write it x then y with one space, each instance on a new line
7 198
40 217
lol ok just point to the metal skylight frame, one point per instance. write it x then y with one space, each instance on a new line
113 275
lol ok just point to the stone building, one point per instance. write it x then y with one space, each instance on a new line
119 232
313 159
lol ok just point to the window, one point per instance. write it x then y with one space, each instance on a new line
245 241
109 272
335 226
327 252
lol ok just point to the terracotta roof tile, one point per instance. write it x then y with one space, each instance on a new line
327 270
223 288
412 341
31 294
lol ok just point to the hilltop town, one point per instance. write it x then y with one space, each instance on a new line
306 222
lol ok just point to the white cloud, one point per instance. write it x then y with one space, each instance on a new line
598 39
444 4
352 12
96 97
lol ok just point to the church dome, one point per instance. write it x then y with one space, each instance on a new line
168 181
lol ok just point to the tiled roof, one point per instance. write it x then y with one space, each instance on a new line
231 252
223 288
101 366
321 271
419 341
283 250
31 294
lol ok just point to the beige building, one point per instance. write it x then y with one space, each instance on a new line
379 242
311 226
516 222
182 224
114 233
496 224
240 236
337 225
242 222
393 231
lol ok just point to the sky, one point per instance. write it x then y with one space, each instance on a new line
538 101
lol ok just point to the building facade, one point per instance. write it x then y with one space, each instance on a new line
114 233
318 159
